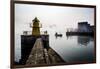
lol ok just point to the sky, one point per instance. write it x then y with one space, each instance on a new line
51 17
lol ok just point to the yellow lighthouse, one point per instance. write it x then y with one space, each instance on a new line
36 28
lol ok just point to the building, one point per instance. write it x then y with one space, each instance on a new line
92 28
84 27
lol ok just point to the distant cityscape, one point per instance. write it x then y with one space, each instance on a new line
83 29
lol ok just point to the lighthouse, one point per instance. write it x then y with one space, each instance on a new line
35 27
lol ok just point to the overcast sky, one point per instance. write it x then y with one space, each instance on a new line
51 17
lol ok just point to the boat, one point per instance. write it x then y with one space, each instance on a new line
56 34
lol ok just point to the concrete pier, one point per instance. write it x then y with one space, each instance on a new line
27 42
36 56
40 55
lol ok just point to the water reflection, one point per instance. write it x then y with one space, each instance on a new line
71 48
83 40
74 48
58 37
69 36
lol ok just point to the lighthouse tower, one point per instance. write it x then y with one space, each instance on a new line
35 27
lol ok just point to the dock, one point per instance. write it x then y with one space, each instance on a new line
40 55
80 33
35 47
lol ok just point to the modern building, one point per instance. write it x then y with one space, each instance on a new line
84 27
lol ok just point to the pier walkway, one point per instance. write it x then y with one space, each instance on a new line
40 55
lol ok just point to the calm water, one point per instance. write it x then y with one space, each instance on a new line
70 48
74 48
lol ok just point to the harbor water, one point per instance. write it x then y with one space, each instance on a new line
70 48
